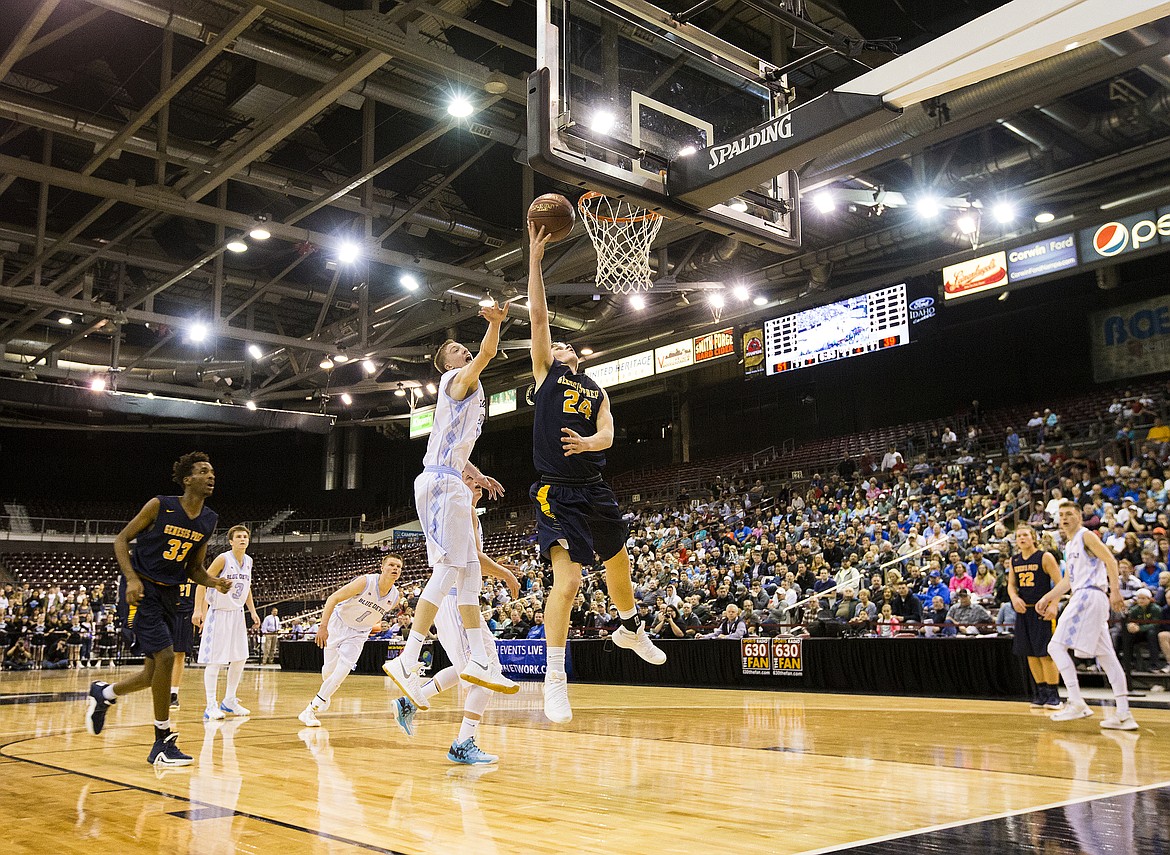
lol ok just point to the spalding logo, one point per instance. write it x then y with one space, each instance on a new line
921 309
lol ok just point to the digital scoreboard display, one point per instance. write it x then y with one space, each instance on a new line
863 324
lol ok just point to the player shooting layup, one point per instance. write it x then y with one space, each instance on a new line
577 514
443 502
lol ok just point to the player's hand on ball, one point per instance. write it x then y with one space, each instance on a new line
133 591
537 241
322 636
573 442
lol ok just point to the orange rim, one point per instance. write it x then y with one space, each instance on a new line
583 207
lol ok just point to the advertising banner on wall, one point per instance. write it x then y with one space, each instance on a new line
421 421
1124 235
681 354
978 274
715 344
1131 340
753 352
502 402
1042 257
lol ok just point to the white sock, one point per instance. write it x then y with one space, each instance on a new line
163 725
174 690
467 729
1111 665
478 647
626 614
556 660
412 649
108 693
211 685
235 672
317 703
1068 670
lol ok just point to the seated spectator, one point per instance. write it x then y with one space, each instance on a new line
537 628
1005 619
1142 622
864 613
961 580
907 607
887 625
934 620
18 657
732 626
985 583
1151 569
970 618
688 621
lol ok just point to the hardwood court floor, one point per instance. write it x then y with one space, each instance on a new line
637 770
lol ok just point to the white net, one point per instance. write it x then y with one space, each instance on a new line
622 234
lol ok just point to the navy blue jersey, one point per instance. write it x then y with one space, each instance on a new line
565 400
1032 580
162 551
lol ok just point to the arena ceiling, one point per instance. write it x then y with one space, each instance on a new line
138 138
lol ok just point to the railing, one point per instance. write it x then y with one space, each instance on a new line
66 530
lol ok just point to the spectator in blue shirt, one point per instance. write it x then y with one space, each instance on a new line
1012 444
936 588
537 630
1111 490
1151 569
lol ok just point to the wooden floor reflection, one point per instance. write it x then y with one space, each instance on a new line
637 770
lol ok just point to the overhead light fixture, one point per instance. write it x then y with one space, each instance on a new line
716 300
738 205
197 332
586 351
150 395
251 405
496 84
260 231
602 122
686 151
255 352
966 224
368 366
460 107
341 357
487 302
326 363
637 302
824 202
408 282
927 206
98 384
1004 212
1045 217
400 392
346 398
65 321
237 244
760 301
741 293
348 252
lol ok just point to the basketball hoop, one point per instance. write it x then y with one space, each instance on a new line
621 233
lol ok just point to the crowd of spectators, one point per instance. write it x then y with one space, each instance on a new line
51 627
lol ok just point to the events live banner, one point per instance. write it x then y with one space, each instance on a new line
521 659
951 667
1131 340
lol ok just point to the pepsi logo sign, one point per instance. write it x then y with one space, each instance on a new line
1125 235
1110 239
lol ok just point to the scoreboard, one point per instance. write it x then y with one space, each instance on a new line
852 327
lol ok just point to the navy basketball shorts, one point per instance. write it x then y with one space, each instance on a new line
1032 634
184 634
583 518
155 620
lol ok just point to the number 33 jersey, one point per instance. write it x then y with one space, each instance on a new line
367 608
566 400
162 551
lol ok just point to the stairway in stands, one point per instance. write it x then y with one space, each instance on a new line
269 525
18 519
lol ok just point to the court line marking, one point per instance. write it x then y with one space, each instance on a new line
901 835
124 785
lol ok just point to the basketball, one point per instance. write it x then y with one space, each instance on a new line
555 213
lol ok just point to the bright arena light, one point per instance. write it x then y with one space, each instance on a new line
738 205
687 150
824 202
251 405
65 321
1045 217
637 302
255 352
487 302
966 224
237 245
586 351
716 300
326 363
408 282
400 392
348 252
197 333
346 398
368 366
98 384
741 293
602 122
341 358
927 206
460 108
1004 212
760 301
431 389
259 233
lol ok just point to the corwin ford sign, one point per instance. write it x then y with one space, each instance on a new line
1131 340
1124 235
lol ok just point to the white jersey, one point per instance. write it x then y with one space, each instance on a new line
240 575
367 608
456 426
1084 569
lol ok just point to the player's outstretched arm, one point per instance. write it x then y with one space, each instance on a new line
141 522
468 377
490 485
542 358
